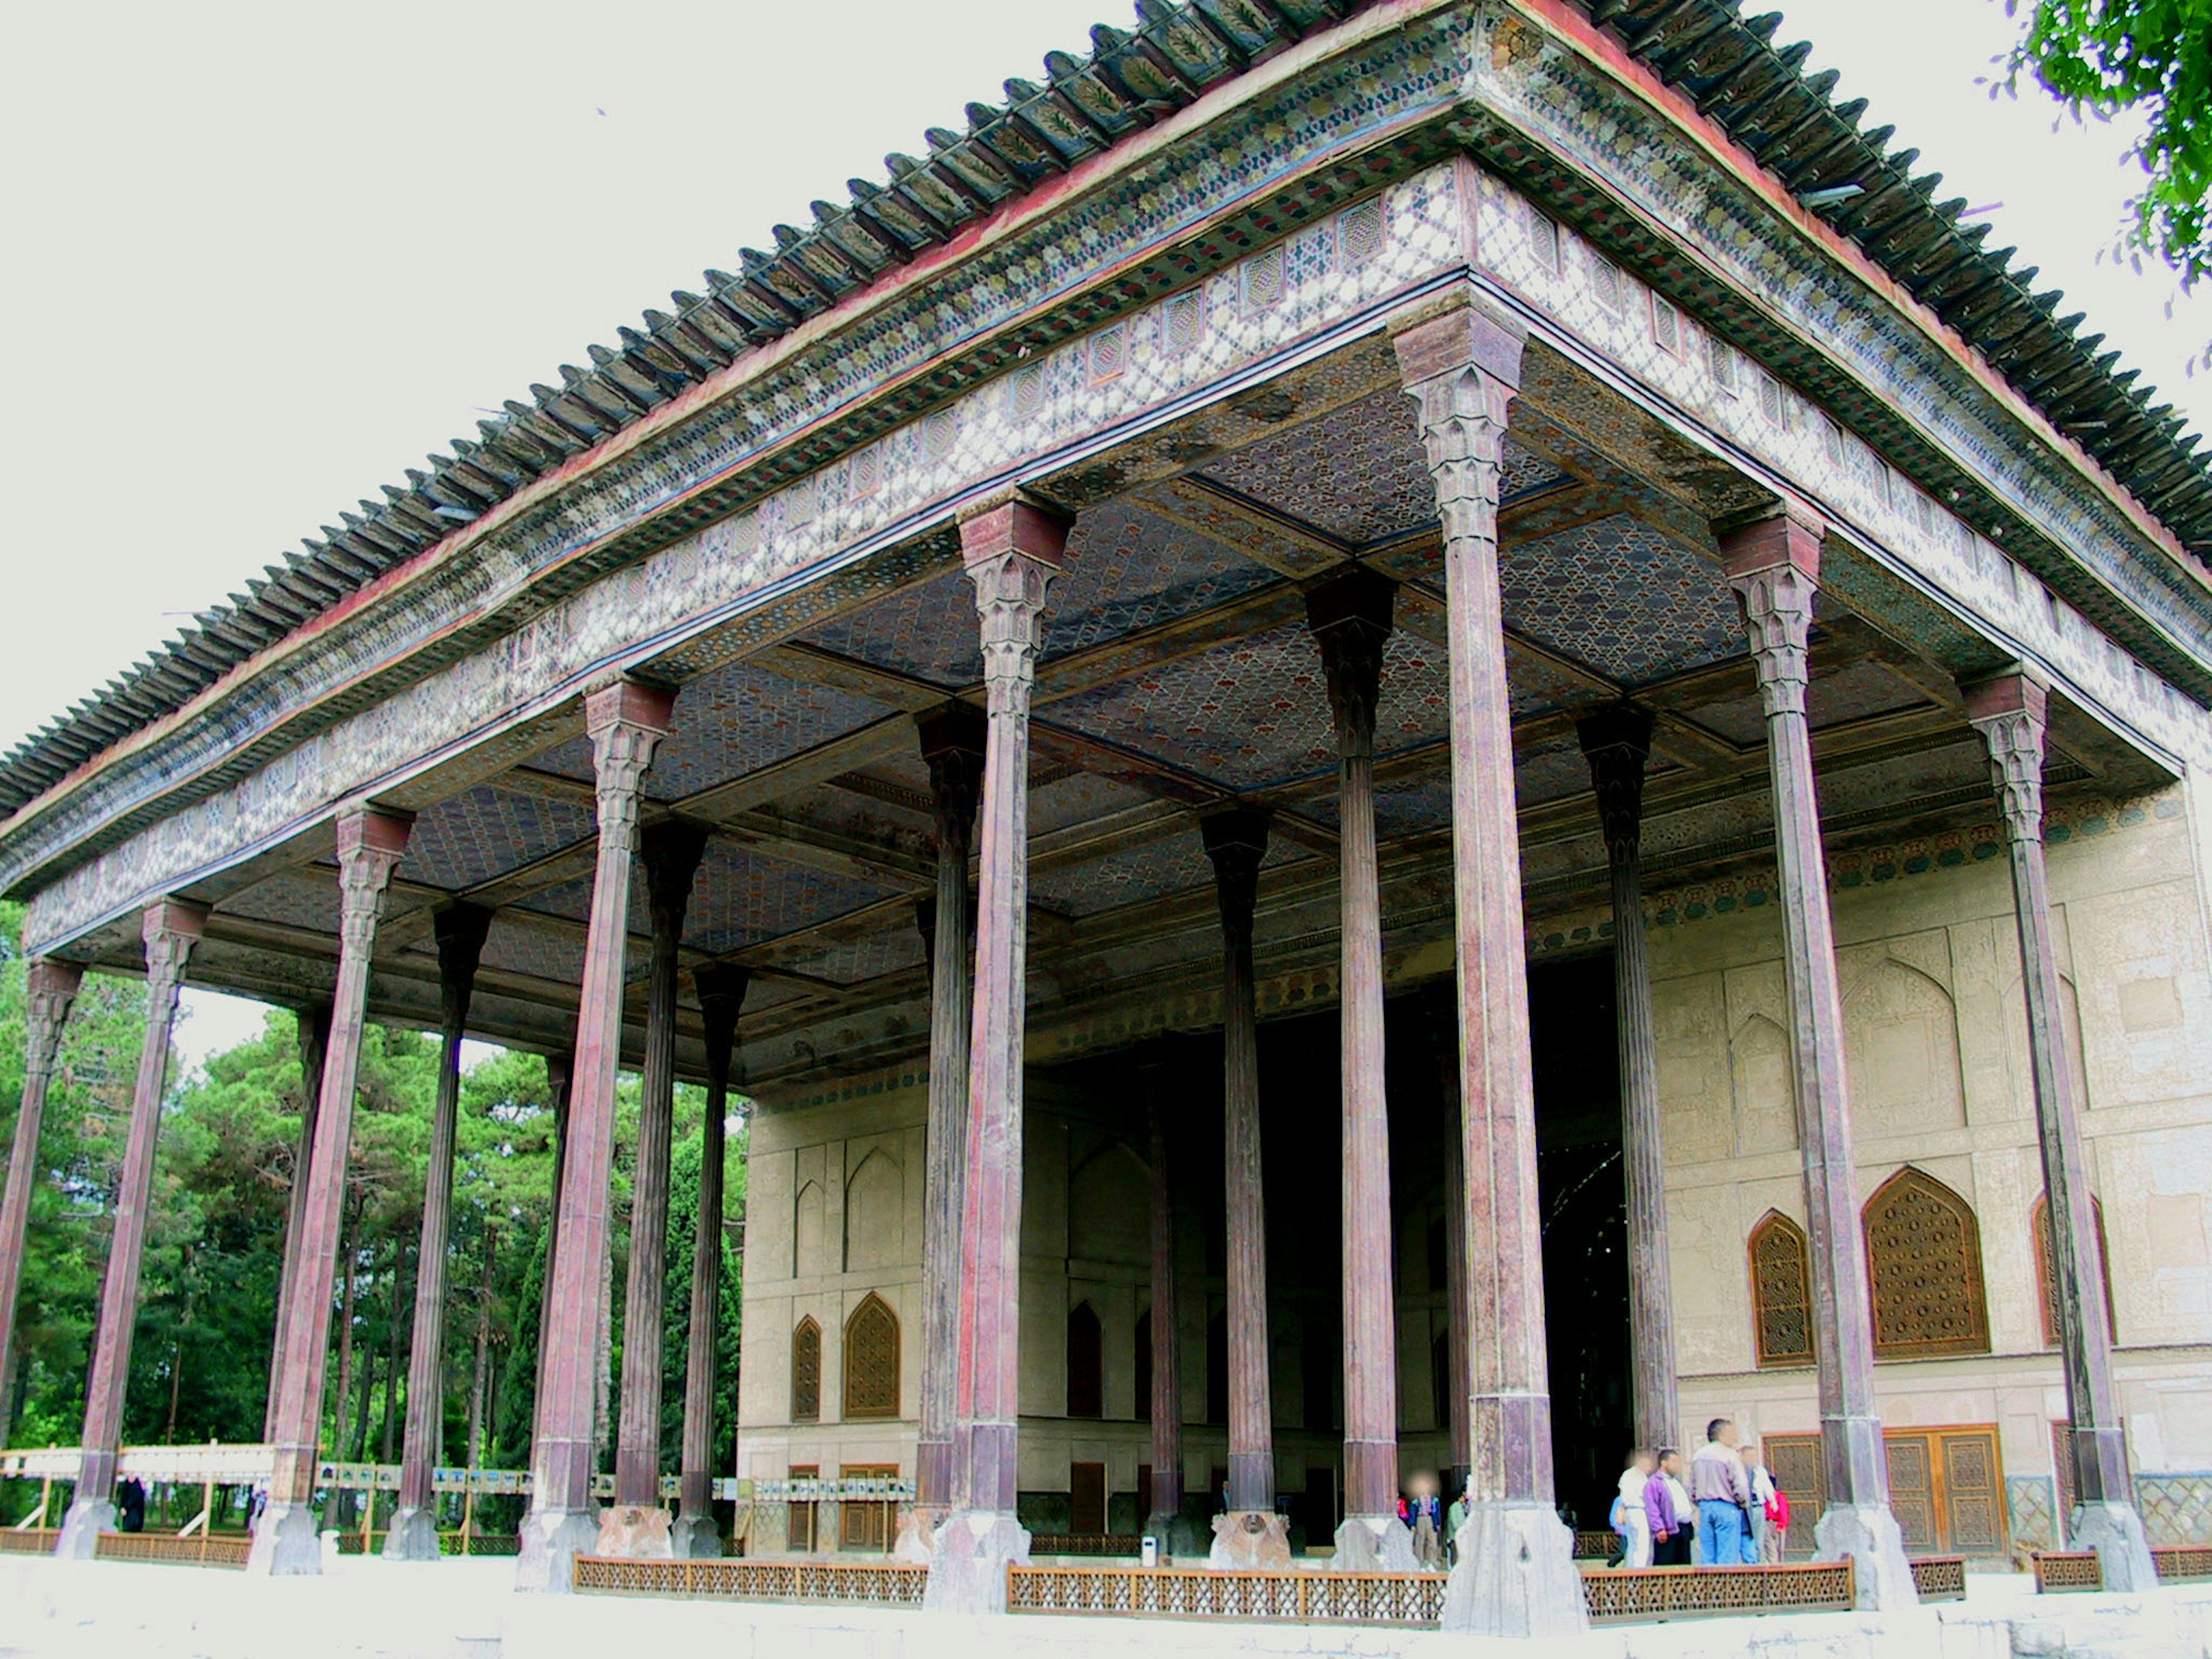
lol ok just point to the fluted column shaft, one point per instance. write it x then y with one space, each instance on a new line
1167 1335
672 851
1237 841
1442 1012
560 1072
2011 712
314 1044
1618 744
626 721
460 931
50 987
370 844
953 743
721 995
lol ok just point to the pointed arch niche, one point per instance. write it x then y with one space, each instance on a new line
1925 1262
1781 1292
2047 1269
875 1214
871 1360
807 1372
1901 1047
1086 1362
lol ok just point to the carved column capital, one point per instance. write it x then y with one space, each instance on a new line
1617 743
1012 551
626 722
1350 613
2012 713
1774 565
721 990
172 928
952 743
1237 840
50 987
370 844
670 851
1462 368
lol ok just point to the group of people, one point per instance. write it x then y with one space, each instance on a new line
1724 1511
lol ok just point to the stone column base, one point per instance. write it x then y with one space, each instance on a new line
968 1561
2115 1531
551 1542
1249 1540
1867 1534
1374 1543
86 1519
1516 1575
413 1536
636 1531
288 1542
916 1545
695 1537
1178 1540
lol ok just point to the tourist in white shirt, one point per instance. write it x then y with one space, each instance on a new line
1630 1519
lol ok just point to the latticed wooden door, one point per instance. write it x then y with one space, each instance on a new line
866 1523
1912 1490
1973 1493
1793 1460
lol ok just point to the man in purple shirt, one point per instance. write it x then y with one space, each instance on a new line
1672 1517
1722 1492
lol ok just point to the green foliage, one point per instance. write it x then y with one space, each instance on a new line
2102 56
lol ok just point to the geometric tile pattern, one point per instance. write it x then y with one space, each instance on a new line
2028 1498
1079 798
2177 1509
522 950
1255 712
482 833
1623 598
1855 691
306 898
1174 863
891 948
1359 472
1551 771
741 897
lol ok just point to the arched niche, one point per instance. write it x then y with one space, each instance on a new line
1901 1044
875 1214
871 1360
1925 1266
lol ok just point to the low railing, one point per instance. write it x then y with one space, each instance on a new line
1085 1543
1330 1598
2058 1571
880 1583
2183 1564
1615 1597
352 1541
30 1541
1940 1578
1595 1546
198 1551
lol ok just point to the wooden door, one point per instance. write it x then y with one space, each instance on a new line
1795 1463
1972 1491
1912 1496
1946 1488
799 1526
1086 1499
866 1523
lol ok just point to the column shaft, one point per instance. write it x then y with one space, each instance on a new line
953 743
560 1070
671 854
314 1044
1459 1375
1618 743
370 843
626 721
1515 1574
413 1536
2011 714
49 988
721 995
1166 1403
1774 566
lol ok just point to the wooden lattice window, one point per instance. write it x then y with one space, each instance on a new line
2047 1269
1782 1291
807 1372
1087 1362
871 1360
1924 1260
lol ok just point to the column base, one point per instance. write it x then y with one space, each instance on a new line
551 1542
635 1532
1867 1534
86 1519
1515 1574
695 1537
413 1536
968 1561
1249 1540
915 1545
1177 1538
287 1542
2115 1531
1373 1543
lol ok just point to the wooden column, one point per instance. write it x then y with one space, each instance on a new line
49 988
315 1020
1165 1522
413 1536
1442 1011
721 995
1351 615
560 1073
639 1523
952 743
2011 712
1618 743
627 721
1012 551
1515 1574
1774 565
287 1540
1251 1535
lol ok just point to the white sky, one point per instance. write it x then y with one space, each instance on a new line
263 257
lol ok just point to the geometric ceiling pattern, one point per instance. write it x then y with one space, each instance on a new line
484 832
1619 596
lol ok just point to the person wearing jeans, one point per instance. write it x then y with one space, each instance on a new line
1722 1492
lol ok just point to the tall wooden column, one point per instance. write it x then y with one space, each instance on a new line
1618 744
627 721
1165 1522
952 743
1012 551
49 988
639 1524
1351 615
315 1020
460 930
171 930
2011 712
1251 1535
1774 565
287 1540
560 1073
1442 1012
1515 1574
721 995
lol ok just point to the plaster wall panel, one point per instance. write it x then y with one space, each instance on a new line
875 1236
2008 1182
1043 1343
2158 1219
1108 1215
771 1189
764 1379
1901 1036
1687 1015
1711 1302
2147 1013
1044 1187
1992 1023
1761 1086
